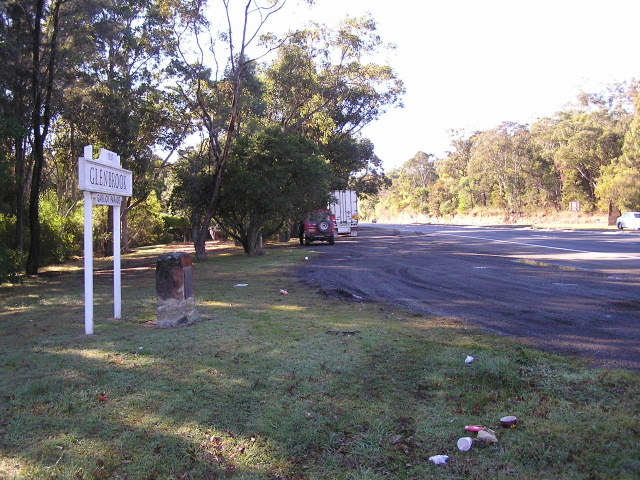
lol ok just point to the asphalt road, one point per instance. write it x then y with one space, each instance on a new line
571 292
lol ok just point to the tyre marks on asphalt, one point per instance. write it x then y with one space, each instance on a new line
568 310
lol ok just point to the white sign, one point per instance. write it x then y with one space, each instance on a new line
95 176
106 199
104 182
107 156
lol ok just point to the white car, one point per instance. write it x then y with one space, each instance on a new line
629 220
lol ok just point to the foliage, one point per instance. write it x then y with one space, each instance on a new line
317 84
273 178
147 225
11 261
10 264
61 233
620 181
324 83
588 153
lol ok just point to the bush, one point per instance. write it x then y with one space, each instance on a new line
10 259
146 224
62 235
10 264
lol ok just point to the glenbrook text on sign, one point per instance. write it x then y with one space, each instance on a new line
105 178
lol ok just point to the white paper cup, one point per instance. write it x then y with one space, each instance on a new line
465 443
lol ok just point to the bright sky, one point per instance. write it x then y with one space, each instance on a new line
472 64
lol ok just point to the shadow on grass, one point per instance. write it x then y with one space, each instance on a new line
266 388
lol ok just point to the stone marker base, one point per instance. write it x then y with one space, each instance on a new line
176 313
174 287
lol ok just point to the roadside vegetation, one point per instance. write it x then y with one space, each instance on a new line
224 123
279 381
587 153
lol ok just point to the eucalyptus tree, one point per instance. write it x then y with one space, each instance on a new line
38 48
324 82
15 165
500 162
120 100
414 180
619 186
453 173
588 147
272 177
584 140
212 78
367 176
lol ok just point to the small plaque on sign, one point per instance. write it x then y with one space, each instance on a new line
106 199
109 156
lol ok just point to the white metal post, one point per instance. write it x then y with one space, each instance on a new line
117 279
88 264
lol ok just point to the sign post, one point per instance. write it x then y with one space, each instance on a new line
575 207
104 182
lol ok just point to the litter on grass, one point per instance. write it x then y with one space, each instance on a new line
242 285
487 435
469 359
509 421
439 459
464 444
473 428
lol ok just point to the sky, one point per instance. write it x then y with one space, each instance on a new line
470 65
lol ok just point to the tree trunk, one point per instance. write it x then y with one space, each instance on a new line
108 239
124 226
253 246
42 90
33 260
614 213
21 185
200 239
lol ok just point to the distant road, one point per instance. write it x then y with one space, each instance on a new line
567 291
610 251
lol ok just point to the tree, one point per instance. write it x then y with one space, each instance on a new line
273 177
217 100
499 163
619 185
414 181
584 140
368 176
15 76
323 83
192 177
336 98
43 30
119 101
455 189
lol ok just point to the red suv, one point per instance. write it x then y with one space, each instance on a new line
317 225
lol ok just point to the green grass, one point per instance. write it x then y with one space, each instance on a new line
269 386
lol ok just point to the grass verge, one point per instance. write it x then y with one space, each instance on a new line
286 386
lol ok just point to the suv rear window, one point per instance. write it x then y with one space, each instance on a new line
316 217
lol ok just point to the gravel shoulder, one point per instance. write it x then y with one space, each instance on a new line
589 314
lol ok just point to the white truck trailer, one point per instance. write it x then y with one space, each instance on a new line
344 205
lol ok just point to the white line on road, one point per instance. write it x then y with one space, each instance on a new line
614 255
